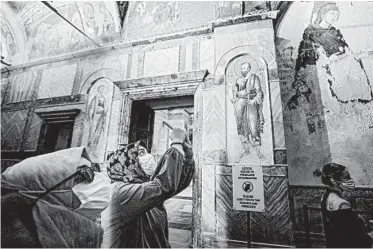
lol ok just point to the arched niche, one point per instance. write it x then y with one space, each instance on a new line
267 70
107 73
254 51
249 124
100 119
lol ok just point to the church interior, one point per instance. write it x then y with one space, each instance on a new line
102 74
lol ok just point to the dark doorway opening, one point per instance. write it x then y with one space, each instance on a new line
57 136
148 118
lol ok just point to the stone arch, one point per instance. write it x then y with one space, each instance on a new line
283 8
108 73
266 56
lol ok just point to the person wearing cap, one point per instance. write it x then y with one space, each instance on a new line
136 216
343 227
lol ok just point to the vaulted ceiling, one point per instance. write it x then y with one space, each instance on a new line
33 31
26 25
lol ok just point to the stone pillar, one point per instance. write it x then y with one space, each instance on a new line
223 148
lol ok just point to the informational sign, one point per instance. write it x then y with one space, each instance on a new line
248 190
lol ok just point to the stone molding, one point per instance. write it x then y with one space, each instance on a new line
147 83
64 100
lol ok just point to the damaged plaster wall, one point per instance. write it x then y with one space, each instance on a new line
325 64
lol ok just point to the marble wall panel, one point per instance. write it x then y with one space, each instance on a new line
78 129
22 87
114 121
4 85
182 58
161 62
135 65
231 224
33 133
274 226
214 131
12 128
208 198
207 55
188 57
57 81
195 56
277 118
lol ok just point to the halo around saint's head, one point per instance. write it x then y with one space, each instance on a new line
243 59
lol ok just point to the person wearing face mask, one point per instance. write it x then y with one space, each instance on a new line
54 200
136 216
343 227
146 160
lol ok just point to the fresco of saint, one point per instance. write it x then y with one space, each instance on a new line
97 118
323 43
248 104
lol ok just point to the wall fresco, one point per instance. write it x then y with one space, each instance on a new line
326 90
247 107
98 118
149 19
44 27
324 44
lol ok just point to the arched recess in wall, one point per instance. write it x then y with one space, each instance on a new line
325 63
100 121
250 133
109 73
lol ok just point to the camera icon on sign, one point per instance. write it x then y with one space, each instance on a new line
247 187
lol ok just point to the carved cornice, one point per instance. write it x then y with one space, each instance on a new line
246 18
63 100
53 116
165 81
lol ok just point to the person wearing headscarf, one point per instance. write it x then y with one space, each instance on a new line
53 200
343 227
136 216
146 160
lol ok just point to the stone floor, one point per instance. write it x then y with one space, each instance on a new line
179 213
180 238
